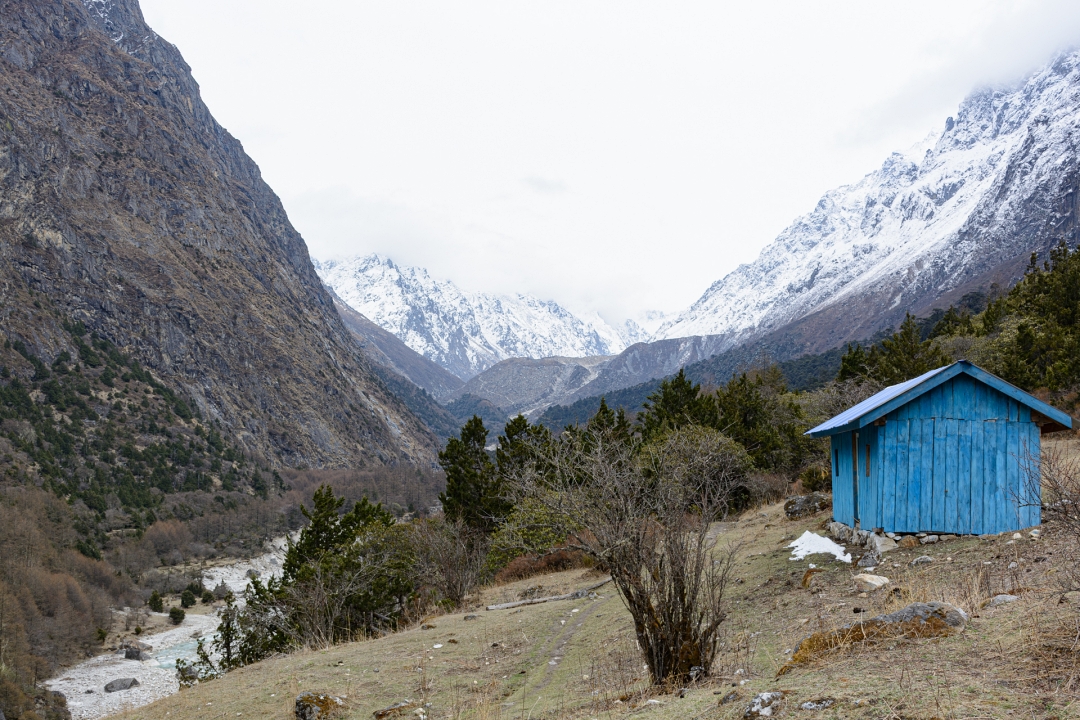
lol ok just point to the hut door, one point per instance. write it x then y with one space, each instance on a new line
855 475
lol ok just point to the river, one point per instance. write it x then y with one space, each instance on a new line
84 684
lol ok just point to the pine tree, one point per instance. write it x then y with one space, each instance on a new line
329 532
473 487
677 402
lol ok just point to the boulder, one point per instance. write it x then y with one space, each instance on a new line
121 684
135 654
918 620
869 560
802 506
1003 599
868 583
881 544
909 541
318 706
764 704
839 531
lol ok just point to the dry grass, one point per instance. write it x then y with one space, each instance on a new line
546 661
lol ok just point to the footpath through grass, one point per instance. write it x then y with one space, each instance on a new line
578 658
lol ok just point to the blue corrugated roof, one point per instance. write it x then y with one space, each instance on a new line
896 395
856 411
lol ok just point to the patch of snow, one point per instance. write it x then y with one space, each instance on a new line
811 544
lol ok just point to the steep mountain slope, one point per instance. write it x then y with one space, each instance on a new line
527 386
465 332
126 204
960 212
383 348
414 379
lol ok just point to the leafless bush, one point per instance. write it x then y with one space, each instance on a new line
1054 480
646 517
767 488
450 557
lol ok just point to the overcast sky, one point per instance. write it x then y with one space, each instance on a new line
613 156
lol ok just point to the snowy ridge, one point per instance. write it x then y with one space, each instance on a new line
920 225
465 332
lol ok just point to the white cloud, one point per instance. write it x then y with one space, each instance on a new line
615 156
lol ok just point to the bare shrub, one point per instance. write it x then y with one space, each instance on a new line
765 488
166 536
646 517
527 566
1054 480
450 557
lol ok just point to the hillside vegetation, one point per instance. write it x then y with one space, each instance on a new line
578 658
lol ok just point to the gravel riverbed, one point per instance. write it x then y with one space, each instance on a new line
84 684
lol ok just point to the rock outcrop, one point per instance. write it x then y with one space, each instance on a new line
133 211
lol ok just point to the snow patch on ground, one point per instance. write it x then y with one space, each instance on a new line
811 544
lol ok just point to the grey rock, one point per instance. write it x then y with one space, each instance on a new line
922 560
470 617
880 543
805 505
929 539
764 704
730 697
821 704
952 615
121 684
1003 599
869 560
135 654
317 706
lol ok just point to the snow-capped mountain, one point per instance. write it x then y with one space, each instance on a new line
963 209
465 332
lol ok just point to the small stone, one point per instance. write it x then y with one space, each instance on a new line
929 539
395 709
470 617
890 535
947 537
1003 599
922 560
318 706
869 583
764 704
730 697
1017 536
821 704
909 541
920 535
121 684
1035 534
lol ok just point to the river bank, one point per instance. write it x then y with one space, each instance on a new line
84 684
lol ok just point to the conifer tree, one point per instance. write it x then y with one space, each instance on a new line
677 402
473 487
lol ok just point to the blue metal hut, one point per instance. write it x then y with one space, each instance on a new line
946 452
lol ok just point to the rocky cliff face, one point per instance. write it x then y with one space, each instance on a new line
963 210
466 332
126 204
